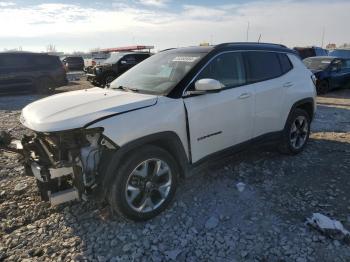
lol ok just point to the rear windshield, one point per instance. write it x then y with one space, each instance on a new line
317 63
74 59
114 58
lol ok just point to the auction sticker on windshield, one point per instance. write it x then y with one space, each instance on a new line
186 59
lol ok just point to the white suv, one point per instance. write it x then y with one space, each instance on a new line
130 143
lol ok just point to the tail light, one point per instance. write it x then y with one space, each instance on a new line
314 79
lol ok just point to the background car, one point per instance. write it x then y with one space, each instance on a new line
311 51
73 63
331 72
30 72
114 66
341 53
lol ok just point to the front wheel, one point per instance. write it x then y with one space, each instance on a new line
45 85
296 132
145 184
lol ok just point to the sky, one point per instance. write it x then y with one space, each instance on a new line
81 25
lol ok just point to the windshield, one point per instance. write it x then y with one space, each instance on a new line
160 73
317 63
114 58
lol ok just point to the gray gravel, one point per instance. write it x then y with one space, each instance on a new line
210 219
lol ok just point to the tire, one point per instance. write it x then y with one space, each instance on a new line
296 132
138 191
322 87
108 78
45 85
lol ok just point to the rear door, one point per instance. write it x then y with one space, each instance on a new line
219 120
340 73
270 84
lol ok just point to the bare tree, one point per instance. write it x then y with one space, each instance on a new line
51 48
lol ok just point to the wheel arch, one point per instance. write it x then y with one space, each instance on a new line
306 104
167 140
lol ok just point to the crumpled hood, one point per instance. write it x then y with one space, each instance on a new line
76 109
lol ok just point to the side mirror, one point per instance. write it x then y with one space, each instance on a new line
208 84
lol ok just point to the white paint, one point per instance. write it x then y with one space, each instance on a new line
75 109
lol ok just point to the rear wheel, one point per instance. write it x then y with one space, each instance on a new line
322 87
296 132
145 184
45 85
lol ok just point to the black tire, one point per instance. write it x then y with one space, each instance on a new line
322 87
289 144
118 193
45 85
108 78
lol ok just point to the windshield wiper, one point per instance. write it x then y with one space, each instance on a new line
127 89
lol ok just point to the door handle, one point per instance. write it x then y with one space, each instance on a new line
244 95
288 84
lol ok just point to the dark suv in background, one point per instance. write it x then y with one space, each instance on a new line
30 72
73 63
311 51
114 66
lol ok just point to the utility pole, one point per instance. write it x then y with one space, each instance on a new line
248 32
323 33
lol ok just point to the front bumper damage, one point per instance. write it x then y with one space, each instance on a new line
66 164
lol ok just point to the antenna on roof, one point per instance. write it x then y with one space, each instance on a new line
259 38
323 33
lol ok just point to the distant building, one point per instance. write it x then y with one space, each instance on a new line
331 46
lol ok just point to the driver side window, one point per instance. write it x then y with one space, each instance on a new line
226 68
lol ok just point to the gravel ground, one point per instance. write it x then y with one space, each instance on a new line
210 220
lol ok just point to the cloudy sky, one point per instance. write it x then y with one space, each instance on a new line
73 25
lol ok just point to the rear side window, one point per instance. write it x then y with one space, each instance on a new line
227 68
263 66
47 61
286 65
15 60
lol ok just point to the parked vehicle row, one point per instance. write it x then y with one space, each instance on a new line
114 66
130 144
331 72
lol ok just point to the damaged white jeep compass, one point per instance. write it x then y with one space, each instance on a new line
130 143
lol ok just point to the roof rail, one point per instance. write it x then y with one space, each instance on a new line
247 43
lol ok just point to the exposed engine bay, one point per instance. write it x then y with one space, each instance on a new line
65 164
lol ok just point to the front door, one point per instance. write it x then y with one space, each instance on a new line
219 120
340 74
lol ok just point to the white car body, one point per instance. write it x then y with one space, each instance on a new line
204 124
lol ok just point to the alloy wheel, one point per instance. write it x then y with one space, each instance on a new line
299 132
148 185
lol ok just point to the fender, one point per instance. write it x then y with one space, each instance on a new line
300 103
